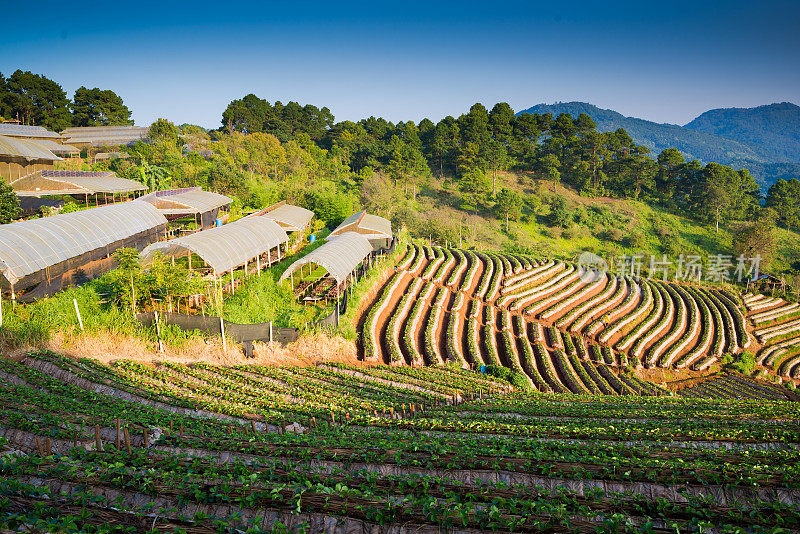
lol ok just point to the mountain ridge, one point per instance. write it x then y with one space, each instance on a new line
764 139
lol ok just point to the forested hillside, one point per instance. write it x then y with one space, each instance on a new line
762 140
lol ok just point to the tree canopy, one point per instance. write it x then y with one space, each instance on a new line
97 107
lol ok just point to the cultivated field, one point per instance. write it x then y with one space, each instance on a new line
365 449
566 329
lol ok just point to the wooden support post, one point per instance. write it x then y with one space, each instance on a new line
258 264
39 446
118 442
270 334
127 440
97 441
253 426
48 447
144 438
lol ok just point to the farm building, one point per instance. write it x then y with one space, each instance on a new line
101 185
41 136
249 243
98 136
376 229
343 258
21 157
293 219
204 207
43 251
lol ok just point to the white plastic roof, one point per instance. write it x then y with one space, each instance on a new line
225 247
72 183
291 218
374 226
104 135
29 246
23 148
21 130
339 256
186 201
56 148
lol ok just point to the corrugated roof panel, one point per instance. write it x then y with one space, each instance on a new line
29 246
225 247
21 130
293 218
193 200
339 256
23 148
377 227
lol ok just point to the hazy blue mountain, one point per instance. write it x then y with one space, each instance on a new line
774 128
764 139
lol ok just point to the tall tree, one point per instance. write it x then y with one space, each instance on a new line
35 99
784 198
97 107
508 203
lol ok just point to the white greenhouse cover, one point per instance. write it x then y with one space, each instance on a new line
368 224
224 247
339 256
27 247
186 201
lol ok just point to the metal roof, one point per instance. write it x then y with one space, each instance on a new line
186 201
366 224
339 256
56 148
27 247
51 182
105 135
224 247
291 218
23 148
20 130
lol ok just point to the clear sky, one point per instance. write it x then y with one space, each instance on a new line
663 61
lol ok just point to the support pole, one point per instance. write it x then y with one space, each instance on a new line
158 332
78 313
222 333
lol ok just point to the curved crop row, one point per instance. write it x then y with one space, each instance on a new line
580 371
449 262
454 353
567 303
765 334
631 303
489 338
528 361
474 333
664 320
555 285
371 337
517 281
537 284
546 368
636 313
568 375
434 318
777 313
410 257
730 343
400 315
768 354
472 272
497 277
692 329
413 324
601 383
434 261
707 323
619 293
510 349
486 277
647 323
603 296
680 314
742 339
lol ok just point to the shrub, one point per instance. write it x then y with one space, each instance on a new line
519 382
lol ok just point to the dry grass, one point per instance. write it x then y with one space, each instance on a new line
307 350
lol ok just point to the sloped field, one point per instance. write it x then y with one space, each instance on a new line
201 449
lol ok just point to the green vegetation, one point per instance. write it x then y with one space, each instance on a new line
429 448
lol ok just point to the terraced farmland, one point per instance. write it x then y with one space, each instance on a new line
567 329
200 448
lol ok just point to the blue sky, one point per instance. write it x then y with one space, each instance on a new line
186 60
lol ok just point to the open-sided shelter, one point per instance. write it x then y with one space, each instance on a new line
96 183
342 258
376 229
225 248
204 206
290 218
31 133
20 157
39 250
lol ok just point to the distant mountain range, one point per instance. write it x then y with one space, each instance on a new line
764 139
